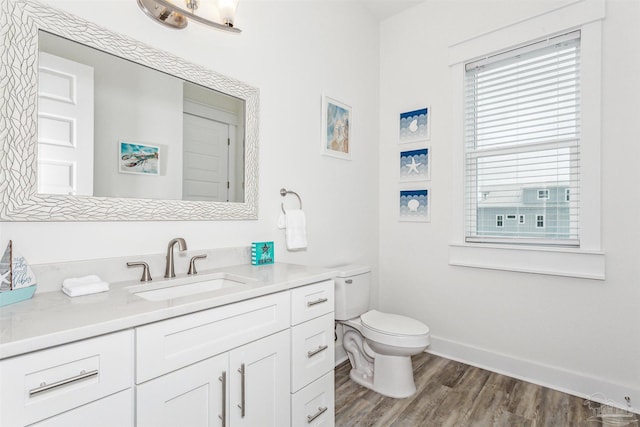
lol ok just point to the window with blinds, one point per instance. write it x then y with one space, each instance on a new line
522 145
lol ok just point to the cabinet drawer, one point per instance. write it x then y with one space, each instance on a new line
116 410
314 404
171 344
47 382
312 350
308 302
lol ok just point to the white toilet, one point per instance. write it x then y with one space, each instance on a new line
379 345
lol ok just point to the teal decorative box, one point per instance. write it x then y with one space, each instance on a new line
261 253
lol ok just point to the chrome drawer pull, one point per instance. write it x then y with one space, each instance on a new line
312 353
223 379
242 390
321 411
316 302
46 387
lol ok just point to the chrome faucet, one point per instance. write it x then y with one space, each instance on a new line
169 271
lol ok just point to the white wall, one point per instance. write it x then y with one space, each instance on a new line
293 52
574 334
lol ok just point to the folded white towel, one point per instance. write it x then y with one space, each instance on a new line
296 232
77 286
72 281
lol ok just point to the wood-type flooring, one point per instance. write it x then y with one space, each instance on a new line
450 393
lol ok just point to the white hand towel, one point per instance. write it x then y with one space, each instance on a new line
72 281
77 286
296 231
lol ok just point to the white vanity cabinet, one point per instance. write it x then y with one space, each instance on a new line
82 383
312 355
265 361
227 366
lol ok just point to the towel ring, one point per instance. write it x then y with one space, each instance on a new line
283 193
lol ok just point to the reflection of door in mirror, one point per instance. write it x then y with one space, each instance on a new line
65 126
206 152
213 145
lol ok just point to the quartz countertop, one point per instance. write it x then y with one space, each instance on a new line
53 318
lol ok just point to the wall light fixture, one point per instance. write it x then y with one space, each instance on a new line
177 13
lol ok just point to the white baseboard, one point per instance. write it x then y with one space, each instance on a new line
576 383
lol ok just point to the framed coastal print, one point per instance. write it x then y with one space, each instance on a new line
415 165
336 128
415 204
138 158
415 125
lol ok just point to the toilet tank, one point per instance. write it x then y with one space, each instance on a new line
352 285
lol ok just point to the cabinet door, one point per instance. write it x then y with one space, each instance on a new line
193 396
260 383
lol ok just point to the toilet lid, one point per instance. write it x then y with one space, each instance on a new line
393 324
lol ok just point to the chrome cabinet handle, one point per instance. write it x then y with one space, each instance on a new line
242 390
46 387
348 281
223 379
312 353
321 410
316 302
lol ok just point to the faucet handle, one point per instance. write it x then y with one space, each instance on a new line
146 276
192 264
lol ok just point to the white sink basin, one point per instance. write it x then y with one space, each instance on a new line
170 289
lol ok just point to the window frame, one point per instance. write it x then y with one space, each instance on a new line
546 69
588 260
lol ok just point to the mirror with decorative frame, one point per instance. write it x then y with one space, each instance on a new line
131 158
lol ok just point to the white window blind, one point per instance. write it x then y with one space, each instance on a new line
522 140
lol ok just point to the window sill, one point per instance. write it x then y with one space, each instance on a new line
550 261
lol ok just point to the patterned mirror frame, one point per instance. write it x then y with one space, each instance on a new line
20 21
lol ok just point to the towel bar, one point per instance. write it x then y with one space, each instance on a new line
283 193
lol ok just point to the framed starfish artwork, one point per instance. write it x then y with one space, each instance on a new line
415 165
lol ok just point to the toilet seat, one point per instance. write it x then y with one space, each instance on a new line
393 324
393 329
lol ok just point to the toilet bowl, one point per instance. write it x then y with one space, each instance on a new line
379 345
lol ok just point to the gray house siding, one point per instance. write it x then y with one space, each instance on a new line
555 212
